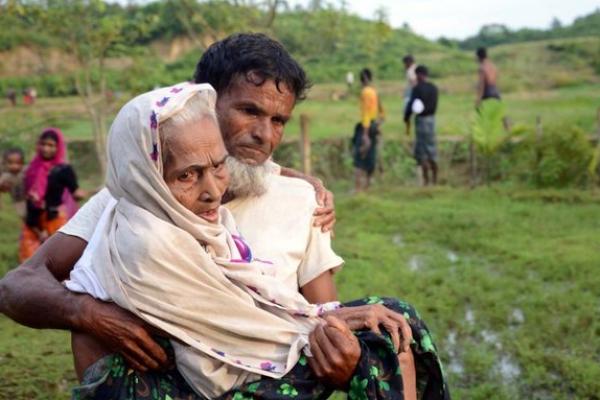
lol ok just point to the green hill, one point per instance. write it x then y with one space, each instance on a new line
328 41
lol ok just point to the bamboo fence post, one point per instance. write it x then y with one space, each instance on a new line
305 144
539 133
598 120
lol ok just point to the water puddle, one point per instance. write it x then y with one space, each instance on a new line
491 338
508 368
398 240
415 263
470 316
455 365
516 316
452 257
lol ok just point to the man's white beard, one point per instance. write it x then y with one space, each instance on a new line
246 180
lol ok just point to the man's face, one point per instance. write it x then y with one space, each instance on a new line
252 118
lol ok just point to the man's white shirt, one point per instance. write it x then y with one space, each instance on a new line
277 225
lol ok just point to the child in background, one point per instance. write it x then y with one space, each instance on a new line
51 189
11 179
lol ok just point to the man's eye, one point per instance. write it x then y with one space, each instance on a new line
251 111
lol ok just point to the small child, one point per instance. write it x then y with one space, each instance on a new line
11 178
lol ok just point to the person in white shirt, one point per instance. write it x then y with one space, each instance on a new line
410 66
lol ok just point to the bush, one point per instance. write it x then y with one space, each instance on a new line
561 158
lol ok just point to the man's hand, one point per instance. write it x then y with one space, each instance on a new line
335 351
371 317
122 332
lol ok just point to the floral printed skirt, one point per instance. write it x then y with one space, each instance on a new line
377 376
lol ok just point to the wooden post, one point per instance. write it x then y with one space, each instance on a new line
539 132
598 116
305 144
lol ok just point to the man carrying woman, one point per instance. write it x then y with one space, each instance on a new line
253 106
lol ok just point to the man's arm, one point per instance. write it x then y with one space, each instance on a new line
32 295
321 289
408 108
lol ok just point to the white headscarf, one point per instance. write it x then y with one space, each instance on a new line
186 276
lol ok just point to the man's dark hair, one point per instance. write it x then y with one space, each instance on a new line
13 150
481 53
255 56
408 59
366 75
422 70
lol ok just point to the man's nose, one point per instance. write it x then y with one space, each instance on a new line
263 131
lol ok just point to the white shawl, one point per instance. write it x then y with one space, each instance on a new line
231 317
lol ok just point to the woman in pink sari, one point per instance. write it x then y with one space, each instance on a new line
51 189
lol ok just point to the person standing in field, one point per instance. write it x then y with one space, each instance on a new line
488 76
51 189
366 132
349 81
423 103
11 179
11 95
411 75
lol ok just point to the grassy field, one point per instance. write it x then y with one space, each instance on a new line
506 278
572 106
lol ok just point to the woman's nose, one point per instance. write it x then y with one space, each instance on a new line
210 190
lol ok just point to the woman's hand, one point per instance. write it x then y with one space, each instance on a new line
371 317
335 352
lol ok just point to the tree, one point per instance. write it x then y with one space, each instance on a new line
89 31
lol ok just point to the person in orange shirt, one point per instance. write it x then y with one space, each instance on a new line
366 132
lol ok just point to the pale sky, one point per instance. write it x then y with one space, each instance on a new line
462 18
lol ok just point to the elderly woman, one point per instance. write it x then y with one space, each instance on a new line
169 253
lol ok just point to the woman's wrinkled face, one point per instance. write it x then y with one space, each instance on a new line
48 148
194 169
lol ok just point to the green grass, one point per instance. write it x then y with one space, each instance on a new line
506 279
574 106
569 106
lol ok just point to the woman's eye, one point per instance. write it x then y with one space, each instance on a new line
187 176
219 167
